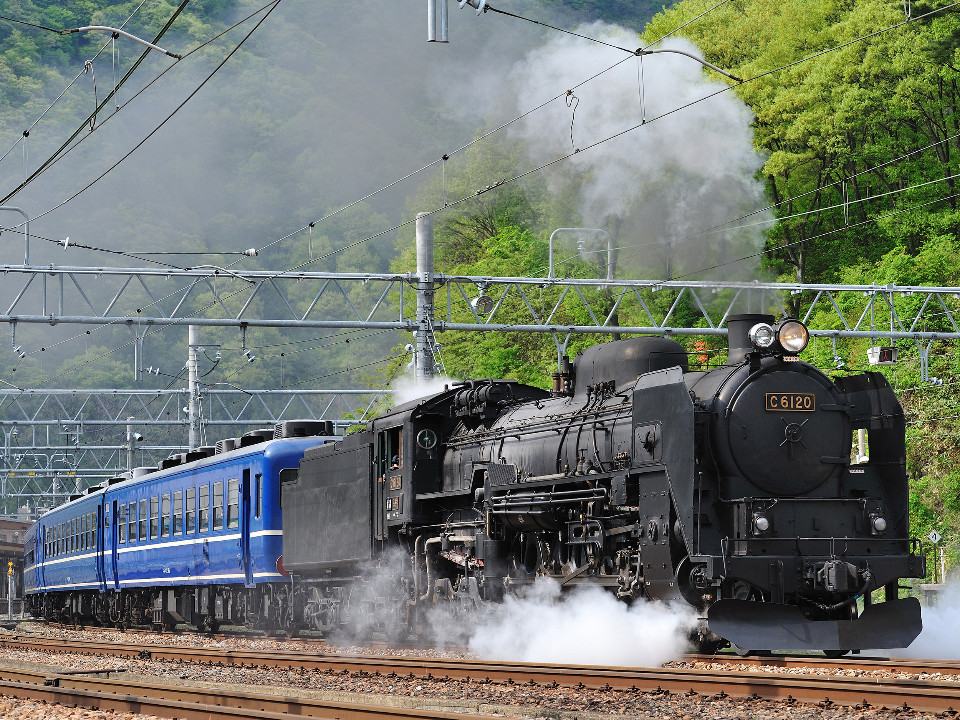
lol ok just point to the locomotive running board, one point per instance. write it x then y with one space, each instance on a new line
771 626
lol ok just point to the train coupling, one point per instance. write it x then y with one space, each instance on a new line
774 626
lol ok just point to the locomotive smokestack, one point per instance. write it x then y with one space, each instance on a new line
738 327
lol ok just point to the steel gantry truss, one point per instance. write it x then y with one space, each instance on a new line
48 454
148 299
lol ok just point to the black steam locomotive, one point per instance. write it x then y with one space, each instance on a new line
731 489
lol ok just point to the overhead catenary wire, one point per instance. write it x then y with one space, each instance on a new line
626 130
847 178
99 107
498 183
36 122
821 235
164 121
827 208
66 147
366 197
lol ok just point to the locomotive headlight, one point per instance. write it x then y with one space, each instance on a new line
877 524
792 335
760 524
762 335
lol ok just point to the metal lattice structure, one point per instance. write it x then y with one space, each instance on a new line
47 467
144 298
59 442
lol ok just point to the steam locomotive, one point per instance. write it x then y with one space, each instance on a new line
731 489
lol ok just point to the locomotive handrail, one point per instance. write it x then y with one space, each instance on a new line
725 501
554 497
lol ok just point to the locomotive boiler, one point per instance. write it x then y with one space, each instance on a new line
731 489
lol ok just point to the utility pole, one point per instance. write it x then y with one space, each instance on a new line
193 387
132 439
423 335
437 21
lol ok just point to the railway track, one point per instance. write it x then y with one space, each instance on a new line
830 689
90 689
865 664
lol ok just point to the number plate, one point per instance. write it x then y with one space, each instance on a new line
791 402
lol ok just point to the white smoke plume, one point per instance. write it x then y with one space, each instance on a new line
941 628
585 626
407 387
660 185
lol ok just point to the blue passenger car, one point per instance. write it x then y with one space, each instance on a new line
198 540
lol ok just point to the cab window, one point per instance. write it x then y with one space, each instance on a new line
390 450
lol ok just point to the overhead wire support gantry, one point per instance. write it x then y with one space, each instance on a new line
167 297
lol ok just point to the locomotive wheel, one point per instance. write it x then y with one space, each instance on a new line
743 652
710 647
207 624
834 654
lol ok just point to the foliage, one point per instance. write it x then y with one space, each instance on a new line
839 126
630 13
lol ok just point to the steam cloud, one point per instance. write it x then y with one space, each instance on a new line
406 387
666 181
586 626
941 627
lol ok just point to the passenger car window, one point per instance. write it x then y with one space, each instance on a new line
154 516
122 523
218 505
178 512
165 516
191 510
204 508
233 503
143 519
132 520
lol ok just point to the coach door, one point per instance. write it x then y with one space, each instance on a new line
44 537
111 539
245 528
101 528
